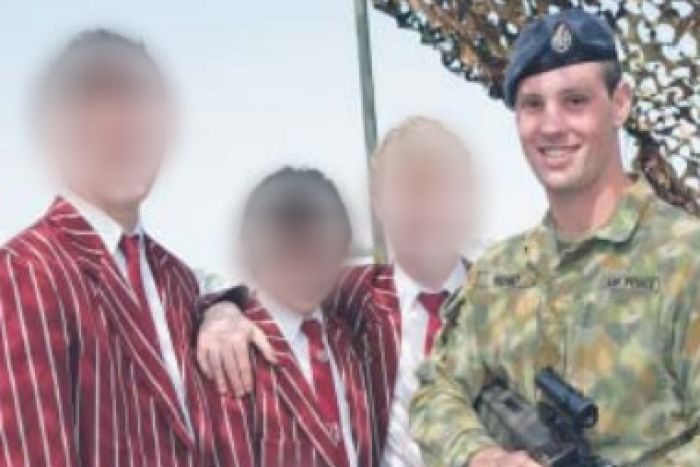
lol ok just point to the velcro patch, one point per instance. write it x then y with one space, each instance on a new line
514 280
632 283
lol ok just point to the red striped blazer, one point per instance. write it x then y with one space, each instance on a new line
79 382
366 299
279 424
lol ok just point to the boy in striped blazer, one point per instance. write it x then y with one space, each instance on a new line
311 408
421 192
96 317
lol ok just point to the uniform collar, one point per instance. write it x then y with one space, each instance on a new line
109 230
288 321
542 243
408 289
628 214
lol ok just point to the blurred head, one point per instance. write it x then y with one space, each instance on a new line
422 191
296 235
569 119
104 114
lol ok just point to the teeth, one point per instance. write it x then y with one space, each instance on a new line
554 152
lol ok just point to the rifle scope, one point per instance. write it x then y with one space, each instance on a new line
582 410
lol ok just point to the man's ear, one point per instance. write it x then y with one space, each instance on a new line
622 102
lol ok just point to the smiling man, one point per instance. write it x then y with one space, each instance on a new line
606 290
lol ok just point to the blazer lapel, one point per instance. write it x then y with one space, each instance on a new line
122 308
177 296
381 349
295 391
178 293
388 326
350 367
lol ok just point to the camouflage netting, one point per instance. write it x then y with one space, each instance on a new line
658 41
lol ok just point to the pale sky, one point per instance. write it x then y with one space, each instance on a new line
259 85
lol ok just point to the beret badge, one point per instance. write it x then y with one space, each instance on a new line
562 39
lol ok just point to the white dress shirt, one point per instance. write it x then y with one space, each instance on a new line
111 233
290 323
401 450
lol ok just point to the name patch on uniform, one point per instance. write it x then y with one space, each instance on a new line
633 283
503 280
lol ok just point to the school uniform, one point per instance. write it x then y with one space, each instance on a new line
395 322
95 360
309 410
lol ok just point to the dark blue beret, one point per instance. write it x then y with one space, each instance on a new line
554 41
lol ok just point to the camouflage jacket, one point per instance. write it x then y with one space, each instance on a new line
617 314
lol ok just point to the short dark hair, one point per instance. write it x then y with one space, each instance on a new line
612 75
103 36
84 55
291 200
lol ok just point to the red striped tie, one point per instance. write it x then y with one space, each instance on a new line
323 384
130 247
432 302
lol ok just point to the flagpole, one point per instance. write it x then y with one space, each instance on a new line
369 113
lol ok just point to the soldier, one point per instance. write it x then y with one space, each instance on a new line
605 290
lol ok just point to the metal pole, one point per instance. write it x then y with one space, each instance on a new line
369 113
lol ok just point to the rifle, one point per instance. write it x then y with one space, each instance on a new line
552 431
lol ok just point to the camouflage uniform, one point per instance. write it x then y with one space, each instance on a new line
617 314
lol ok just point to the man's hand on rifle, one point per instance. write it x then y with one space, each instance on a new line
497 457
223 344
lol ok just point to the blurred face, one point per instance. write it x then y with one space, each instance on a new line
422 196
300 271
568 124
109 135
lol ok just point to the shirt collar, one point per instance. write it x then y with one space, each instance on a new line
408 289
628 214
287 320
542 242
109 230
